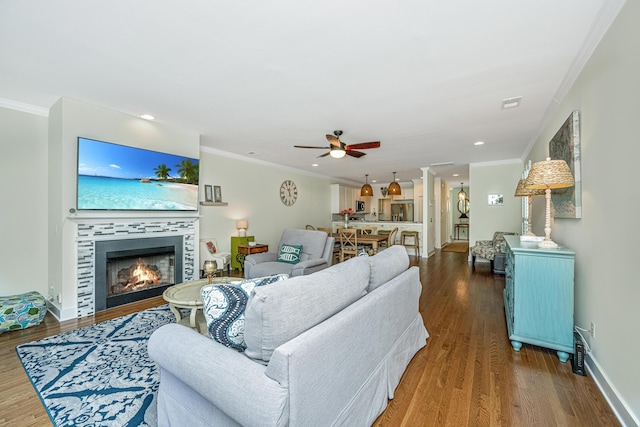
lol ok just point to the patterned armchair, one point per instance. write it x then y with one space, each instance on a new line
492 250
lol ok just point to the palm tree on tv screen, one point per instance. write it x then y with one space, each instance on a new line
188 171
162 171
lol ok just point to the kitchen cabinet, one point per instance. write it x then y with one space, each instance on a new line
343 197
538 296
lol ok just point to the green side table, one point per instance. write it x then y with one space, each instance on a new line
237 258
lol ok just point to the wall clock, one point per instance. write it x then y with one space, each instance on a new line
288 192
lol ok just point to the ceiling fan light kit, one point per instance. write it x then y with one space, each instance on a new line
394 188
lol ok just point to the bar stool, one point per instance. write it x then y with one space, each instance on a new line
411 239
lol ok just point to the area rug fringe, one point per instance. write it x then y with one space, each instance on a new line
99 375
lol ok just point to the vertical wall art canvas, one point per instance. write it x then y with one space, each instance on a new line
565 145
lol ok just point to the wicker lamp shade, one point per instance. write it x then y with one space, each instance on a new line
523 191
549 174
546 175
394 188
366 190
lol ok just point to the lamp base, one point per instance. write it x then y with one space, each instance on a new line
242 233
548 244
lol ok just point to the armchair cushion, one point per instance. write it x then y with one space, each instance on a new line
489 248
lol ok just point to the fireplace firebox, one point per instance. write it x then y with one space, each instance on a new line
130 270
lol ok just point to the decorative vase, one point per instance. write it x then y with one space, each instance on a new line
346 220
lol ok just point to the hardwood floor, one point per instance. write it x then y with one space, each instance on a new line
466 375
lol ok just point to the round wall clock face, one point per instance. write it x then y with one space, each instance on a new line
288 192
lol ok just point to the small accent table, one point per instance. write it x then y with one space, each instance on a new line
187 295
457 230
244 250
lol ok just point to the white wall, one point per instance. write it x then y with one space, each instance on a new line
607 289
23 217
494 178
252 190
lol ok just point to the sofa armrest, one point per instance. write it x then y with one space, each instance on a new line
309 266
228 379
254 259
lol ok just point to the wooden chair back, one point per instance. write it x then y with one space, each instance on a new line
369 230
348 243
392 237
309 227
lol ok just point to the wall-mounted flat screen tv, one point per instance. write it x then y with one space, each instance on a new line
118 177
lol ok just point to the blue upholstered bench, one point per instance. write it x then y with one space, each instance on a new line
22 311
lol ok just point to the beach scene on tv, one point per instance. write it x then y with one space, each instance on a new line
118 177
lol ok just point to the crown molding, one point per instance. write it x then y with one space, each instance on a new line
24 107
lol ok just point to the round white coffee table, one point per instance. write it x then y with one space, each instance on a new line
187 295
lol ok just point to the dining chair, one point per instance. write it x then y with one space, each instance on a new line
391 240
309 227
368 229
348 243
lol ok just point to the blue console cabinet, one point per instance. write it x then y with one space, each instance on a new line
538 296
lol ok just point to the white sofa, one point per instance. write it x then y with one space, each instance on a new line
323 349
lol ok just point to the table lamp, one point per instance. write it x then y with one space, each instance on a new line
242 225
522 191
546 175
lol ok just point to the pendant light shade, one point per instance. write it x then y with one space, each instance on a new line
366 190
394 187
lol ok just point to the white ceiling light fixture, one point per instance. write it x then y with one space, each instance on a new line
148 117
478 143
337 153
511 102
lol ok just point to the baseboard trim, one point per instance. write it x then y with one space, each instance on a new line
625 416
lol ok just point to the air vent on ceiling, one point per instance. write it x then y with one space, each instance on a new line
511 102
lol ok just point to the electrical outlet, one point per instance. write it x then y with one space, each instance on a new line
592 331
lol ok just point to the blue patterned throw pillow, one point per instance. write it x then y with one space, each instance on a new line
224 305
290 253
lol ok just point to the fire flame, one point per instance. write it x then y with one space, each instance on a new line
142 274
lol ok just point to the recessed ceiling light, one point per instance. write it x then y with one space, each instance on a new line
511 102
478 143
315 165
456 174
373 180
148 117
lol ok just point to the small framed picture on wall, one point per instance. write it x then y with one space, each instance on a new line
208 193
217 194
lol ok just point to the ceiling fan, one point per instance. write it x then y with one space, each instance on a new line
339 149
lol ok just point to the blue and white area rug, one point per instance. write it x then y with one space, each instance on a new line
100 375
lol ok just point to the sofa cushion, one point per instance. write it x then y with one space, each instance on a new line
224 305
275 314
387 264
290 253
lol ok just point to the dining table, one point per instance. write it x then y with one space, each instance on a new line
367 239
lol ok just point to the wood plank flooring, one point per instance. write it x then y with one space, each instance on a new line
467 375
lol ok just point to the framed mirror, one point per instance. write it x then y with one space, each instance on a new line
463 206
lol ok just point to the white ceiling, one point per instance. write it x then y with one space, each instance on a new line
424 77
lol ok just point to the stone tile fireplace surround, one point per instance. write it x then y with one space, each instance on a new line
91 231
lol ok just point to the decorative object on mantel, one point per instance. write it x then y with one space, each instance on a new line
208 193
242 225
217 194
546 175
565 145
366 190
522 191
347 214
394 188
383 191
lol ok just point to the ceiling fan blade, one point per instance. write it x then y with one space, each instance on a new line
364 145
356 154
333 140
310 146
325 154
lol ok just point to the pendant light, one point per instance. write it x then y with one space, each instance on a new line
462 195
366 190
394 187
